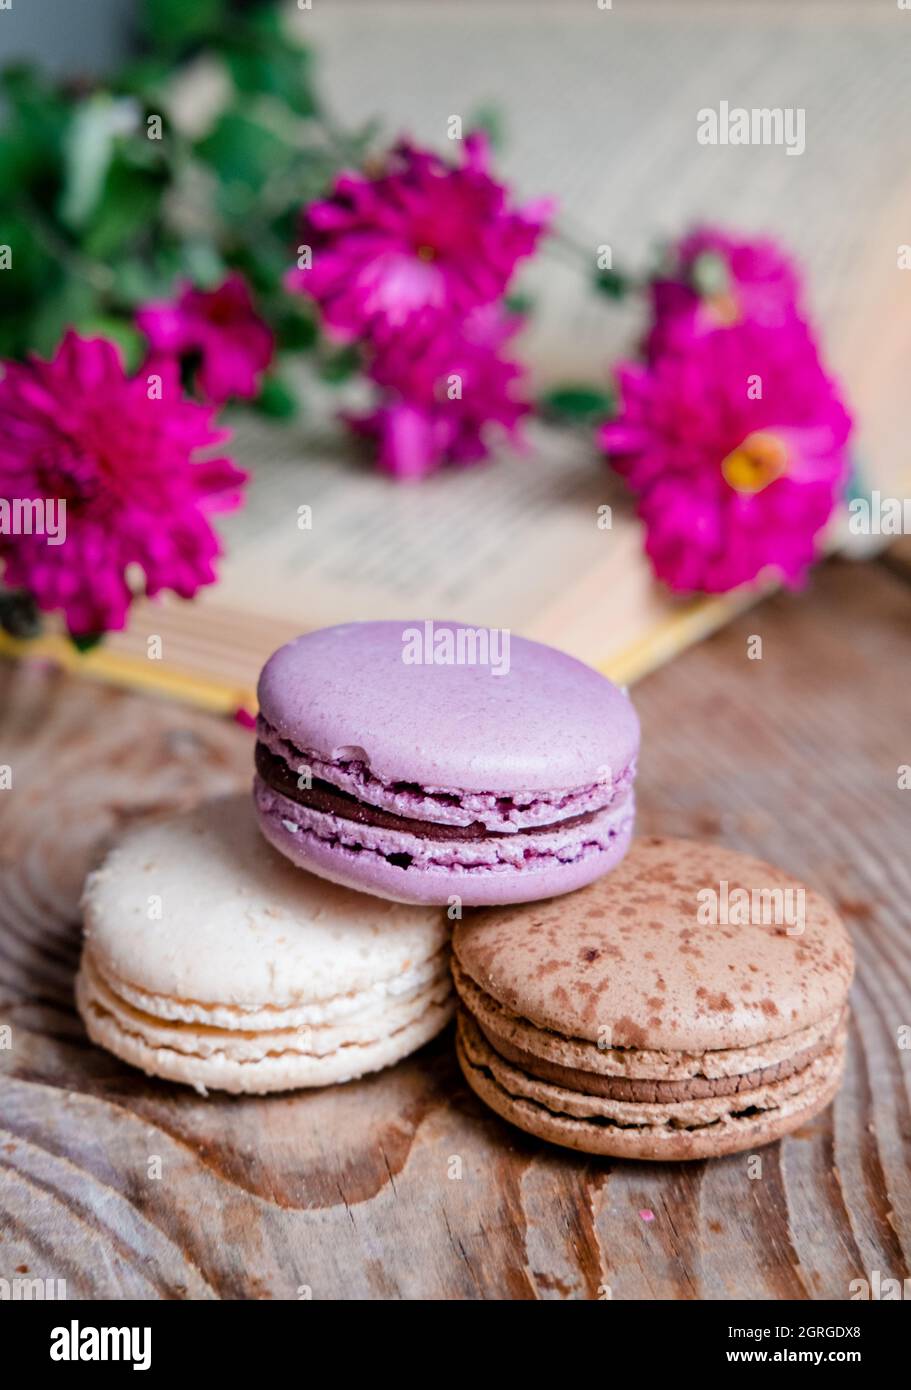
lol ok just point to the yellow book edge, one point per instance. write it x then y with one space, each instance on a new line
679 630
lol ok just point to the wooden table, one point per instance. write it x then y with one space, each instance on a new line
348 1192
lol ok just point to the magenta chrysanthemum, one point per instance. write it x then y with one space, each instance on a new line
422 239
121 454
715 281
445 397
736 449
222 329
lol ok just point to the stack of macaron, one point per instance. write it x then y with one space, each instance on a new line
407 784
211 960
612 1022
424 782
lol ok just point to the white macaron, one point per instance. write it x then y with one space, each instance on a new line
210 960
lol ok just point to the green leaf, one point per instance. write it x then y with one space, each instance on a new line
60 308
277 69
129 206
612 283
174 25
577 404
85 641
295 331
520 304
145 78
29 93
266 60
21 84
17 164
35 122
29 270
34 288
242 150
489 119
14 340
340 366
276 399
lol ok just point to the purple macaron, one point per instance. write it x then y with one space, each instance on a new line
427 762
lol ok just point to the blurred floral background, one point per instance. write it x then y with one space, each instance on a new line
189 223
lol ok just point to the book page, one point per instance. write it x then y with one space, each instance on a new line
489 544
325 539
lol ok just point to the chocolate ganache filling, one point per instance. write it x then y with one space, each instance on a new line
332 801
654 1092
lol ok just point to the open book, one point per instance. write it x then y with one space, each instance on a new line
542 543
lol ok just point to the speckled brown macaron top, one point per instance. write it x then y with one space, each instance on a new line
692 1004
635 952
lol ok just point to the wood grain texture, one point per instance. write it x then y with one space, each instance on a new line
402 1186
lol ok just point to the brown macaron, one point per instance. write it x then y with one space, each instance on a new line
692 1003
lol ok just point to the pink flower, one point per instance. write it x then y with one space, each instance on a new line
220 327
715 281
121 455
736 449
420 240
445 396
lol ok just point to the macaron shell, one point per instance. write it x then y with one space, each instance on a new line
208 959
250 1035
507 1033
548 722
367 870
198 907
208 1069
629 954
655 1133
